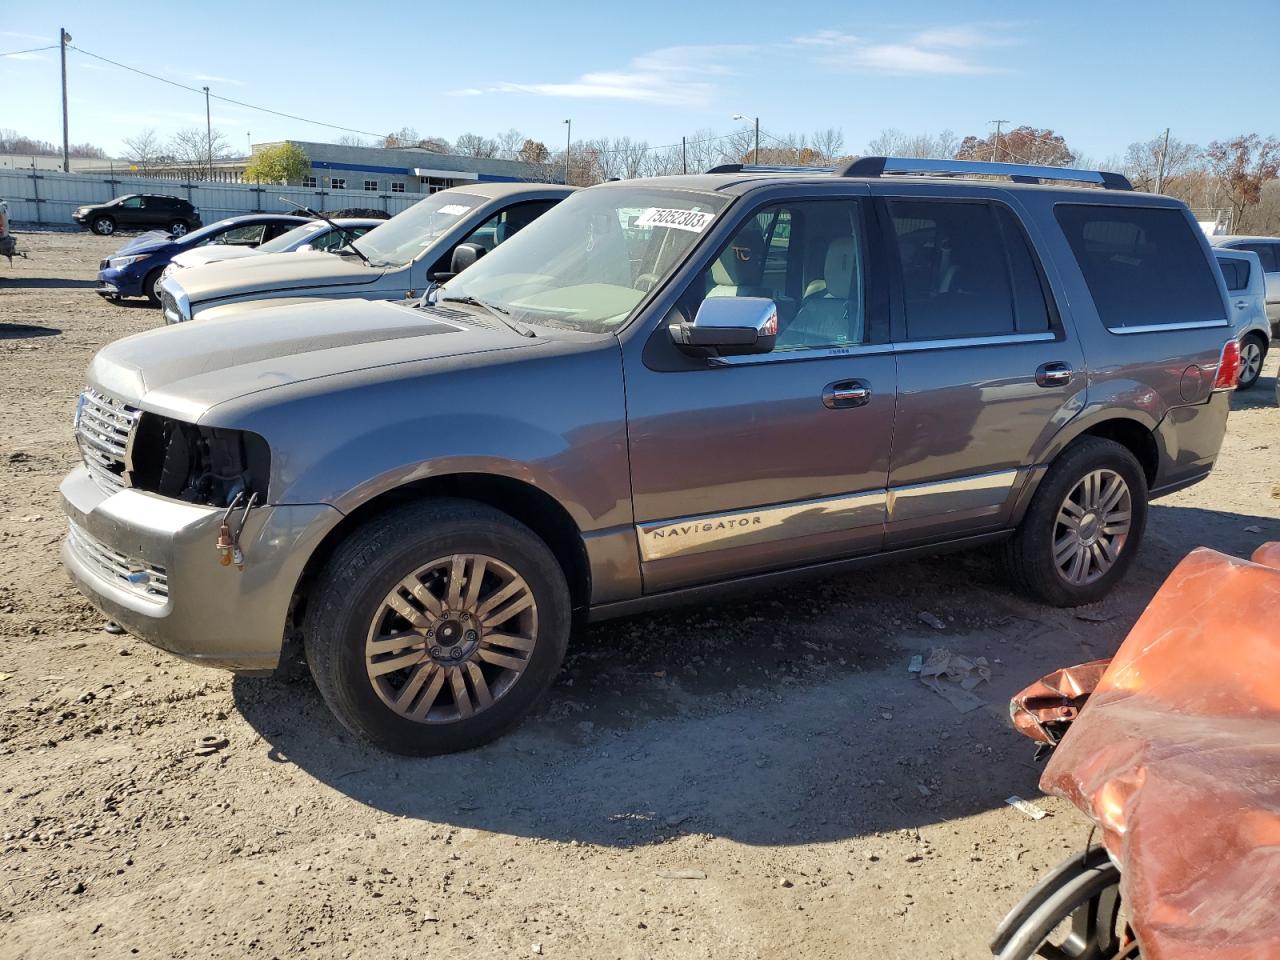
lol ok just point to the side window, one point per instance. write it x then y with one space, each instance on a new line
1143 265
274 230
336 238
966 271
1235 272
133 203
1268 253
242 236
808 257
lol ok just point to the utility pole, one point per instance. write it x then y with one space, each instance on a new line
1164 153
684 155
64 38
568 143
208 132
756 155
995 143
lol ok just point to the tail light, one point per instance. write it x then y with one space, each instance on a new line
1228 367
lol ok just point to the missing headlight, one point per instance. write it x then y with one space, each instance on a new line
206 465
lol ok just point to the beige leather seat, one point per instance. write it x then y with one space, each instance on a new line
738 271
833 316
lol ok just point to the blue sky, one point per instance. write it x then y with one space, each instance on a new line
1104 74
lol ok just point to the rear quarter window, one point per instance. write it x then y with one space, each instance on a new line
1143 265
1235 272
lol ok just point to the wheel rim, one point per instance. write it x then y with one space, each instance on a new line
451 639
1250 362
106 227
178 230
1092 527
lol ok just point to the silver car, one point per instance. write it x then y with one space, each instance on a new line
1246 288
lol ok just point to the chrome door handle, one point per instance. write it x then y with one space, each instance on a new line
1054 374
846 393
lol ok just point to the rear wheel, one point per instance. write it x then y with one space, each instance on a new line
103 226
178 228
1083 526
437 626
1253 350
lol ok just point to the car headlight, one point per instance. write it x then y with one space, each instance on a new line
119 263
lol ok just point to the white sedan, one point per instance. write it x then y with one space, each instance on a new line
314 235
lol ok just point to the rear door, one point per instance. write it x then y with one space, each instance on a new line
987 373
1246 286
1268 252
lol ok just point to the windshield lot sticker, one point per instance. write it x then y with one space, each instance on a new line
454 209
690 220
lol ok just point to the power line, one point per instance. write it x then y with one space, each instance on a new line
238 103
15 53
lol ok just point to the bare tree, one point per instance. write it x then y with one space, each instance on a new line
144 148
354 140
895 143
828 144
474 145
1142 161
194 147
509 143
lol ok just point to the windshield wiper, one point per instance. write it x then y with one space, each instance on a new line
500 313
348 237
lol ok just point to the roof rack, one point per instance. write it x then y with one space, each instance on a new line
1017 172
767 168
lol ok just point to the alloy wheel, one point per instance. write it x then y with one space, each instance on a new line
1092 526
451 638
1250 361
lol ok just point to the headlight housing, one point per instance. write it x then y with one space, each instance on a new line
206 465
119 263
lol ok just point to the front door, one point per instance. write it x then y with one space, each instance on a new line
986 372
752 463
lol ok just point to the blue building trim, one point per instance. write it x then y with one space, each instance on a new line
361 167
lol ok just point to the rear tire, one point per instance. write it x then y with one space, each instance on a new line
400 668
1074 544
103 226
178 228
1253 351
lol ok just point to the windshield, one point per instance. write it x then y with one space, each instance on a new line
298 235
403 238
588 263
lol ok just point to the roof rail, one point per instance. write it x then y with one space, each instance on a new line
1017 172
767 168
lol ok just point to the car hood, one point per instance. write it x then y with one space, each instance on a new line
212 253
274 271
186 369
145 243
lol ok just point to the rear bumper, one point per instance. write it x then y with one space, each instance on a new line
150 564
1190 438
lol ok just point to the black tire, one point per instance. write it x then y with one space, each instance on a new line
349 594
103 226
149 285
179 228
1251 341
1029 553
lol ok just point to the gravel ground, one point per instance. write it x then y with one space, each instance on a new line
755 779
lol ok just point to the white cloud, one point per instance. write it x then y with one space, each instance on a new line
213 78
937 51
671 75
28 36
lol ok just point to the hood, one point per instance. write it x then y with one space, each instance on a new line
185 369
145 243
270 272
213 252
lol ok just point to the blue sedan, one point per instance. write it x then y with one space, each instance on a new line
132 271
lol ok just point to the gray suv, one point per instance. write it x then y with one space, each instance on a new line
660 389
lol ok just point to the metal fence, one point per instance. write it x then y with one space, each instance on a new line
45 197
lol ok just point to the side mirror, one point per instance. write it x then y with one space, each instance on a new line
729 326
464 255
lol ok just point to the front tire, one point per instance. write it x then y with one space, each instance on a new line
103 226
149 285
1083 526
437 626
1253 351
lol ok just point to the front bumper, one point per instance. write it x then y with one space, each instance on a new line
118 283
150 564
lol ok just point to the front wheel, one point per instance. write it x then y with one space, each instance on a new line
149 285
1253 350
437 626
103 226
1083 526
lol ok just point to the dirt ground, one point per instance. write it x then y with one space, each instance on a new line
755 779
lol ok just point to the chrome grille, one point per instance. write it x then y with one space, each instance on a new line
103 426
145 579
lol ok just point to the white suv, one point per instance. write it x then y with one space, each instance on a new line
1246 286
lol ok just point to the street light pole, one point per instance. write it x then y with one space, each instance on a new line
568 142
64 38
208 132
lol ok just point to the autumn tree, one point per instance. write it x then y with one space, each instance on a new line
1244 165
283 163
534 151
1019 145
